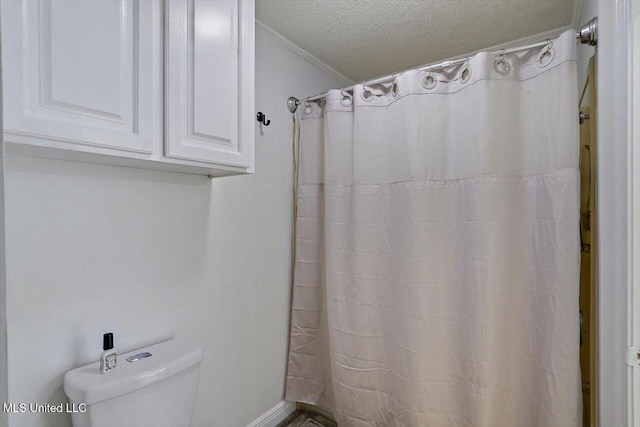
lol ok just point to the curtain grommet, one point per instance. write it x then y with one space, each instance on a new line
346 101
394 89
545 57
428 82
465 75
501 66
366 94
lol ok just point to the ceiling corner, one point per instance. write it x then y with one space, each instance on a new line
577 13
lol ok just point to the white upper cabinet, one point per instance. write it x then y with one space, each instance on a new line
81 73
143 83
209 81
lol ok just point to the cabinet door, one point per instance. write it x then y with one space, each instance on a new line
209 60
82 74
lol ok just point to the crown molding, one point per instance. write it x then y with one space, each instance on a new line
288 44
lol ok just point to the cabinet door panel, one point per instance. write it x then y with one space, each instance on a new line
83 73
214 67
209 81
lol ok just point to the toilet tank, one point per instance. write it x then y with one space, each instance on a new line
154 391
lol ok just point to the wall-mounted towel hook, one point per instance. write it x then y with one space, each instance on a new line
263 119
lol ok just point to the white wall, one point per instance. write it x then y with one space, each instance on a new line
3 284
613 203
150 255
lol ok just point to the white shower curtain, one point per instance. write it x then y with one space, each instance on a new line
437 247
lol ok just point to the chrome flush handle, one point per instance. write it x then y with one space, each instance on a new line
138 356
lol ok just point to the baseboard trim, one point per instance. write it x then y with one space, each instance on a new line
275 415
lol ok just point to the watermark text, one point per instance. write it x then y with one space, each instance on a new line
23 407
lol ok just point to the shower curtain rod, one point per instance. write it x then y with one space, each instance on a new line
588 34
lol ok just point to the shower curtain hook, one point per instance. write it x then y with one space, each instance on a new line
307 108
366 90
346 99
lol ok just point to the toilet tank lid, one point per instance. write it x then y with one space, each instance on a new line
87 385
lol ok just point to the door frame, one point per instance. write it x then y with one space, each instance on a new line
616 211
589 90
633 120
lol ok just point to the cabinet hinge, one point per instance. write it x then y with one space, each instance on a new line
633 355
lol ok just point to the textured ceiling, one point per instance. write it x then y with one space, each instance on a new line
368 38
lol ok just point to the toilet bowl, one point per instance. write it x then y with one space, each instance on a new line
157 390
